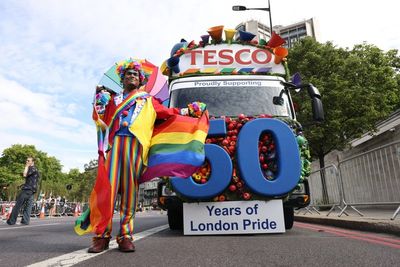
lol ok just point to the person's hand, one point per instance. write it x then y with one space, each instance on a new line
196 109
102 96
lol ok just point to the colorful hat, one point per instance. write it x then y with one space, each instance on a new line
130 63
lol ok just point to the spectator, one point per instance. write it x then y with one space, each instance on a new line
28 189
51 206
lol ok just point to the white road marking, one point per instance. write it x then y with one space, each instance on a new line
82 255
20 226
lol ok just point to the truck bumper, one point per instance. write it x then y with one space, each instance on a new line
299 198
168 200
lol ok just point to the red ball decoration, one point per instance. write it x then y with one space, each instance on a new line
225 142
246 196
272 147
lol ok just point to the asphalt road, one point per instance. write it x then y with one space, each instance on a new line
306 244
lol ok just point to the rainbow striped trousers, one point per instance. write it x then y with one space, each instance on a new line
124 165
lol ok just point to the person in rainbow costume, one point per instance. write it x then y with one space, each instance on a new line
131 138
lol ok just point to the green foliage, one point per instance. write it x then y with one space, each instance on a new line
82 183
359 87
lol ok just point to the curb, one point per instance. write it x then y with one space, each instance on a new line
377 226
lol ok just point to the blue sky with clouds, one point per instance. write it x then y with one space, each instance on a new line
54 52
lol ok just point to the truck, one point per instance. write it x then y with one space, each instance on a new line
257 158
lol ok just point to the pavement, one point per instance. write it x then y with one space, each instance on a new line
377 219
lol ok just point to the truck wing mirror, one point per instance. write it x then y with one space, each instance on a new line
317 109
313 92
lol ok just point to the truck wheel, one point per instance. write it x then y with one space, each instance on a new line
175 218
288 213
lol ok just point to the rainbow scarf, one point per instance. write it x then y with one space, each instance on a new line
126 104
177 147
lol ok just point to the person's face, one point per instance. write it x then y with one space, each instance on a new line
29 161
131 79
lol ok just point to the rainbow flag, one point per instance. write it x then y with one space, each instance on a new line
82 224
177 147
99 215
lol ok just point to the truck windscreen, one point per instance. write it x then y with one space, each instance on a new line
250 98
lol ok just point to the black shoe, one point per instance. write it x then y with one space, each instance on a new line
24 223
9 222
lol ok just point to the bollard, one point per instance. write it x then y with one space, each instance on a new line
76 213
41 215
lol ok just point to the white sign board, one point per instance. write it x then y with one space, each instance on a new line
233 217
229 56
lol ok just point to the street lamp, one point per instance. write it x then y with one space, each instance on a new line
243 8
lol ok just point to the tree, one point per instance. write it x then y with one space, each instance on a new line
359 87
82 183
91 165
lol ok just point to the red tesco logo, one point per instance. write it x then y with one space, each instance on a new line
228 57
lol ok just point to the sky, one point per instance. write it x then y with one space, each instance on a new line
54 52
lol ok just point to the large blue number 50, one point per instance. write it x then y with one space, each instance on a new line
288 163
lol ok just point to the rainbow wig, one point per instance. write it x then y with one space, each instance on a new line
122 66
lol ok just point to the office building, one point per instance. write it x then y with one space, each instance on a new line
148 194
291 33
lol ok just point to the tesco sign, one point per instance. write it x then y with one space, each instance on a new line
229 56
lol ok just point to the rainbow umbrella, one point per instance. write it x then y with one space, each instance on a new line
156 84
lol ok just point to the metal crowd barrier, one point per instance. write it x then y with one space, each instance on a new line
325 189
45 209
5 209
372 178
368 179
